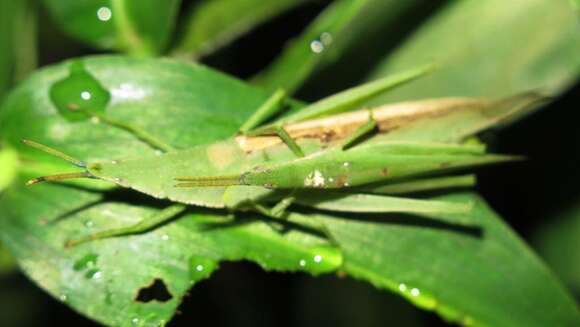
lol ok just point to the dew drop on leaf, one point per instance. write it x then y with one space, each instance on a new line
201 268
417 296
95 274
104 14
321 259
78 94
316 46
63 297
88 261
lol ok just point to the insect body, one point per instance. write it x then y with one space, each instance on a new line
338 162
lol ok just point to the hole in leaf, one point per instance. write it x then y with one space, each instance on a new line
156 291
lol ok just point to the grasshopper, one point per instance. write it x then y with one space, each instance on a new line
325 156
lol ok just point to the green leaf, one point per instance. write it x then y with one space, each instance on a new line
464 271
99 278
8 167
485 276
491 48
7 262
555 241
213 24
138 27
17 37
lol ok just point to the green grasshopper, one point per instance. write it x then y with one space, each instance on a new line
324 156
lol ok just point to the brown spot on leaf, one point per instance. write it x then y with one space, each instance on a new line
341 180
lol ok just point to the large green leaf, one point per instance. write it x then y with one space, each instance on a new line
491 48
212 24
139 27
465 271
172 101
481 276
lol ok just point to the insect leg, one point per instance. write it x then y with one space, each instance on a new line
144 226
280 208
279 213
282 134
365 129
444 211
420 185
287 139
356 96
266 110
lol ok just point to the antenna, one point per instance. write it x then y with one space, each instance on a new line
209 181
58 177
55 153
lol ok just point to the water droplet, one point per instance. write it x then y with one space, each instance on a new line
88 261
317 46
63 297
417 296
346 164
323 259
158 152
117 180
94 274
114 162
104 14
135 321
78 94
201 268
89 224
95 120
165 237
326 38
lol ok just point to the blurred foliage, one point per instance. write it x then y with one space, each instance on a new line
17 40
491 48
556 242
137 27
483 48
211 25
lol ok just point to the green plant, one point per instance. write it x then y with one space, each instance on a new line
481 276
